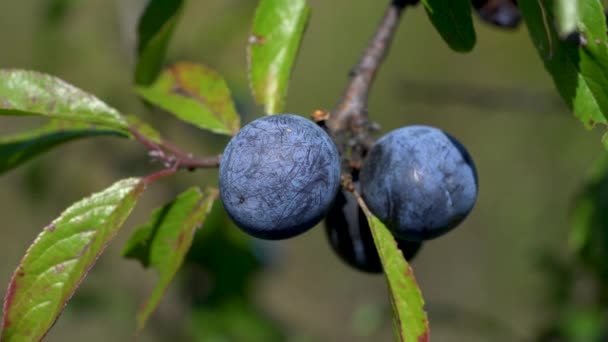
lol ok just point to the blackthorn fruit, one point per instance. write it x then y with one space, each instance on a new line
350 236
278 176
419 181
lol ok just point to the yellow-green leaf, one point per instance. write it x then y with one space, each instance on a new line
163 242
24 92
195 94
60 257
278 27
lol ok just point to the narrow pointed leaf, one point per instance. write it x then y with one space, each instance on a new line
195 94
19 148
154 31
60 257
578 65
409 318
163 242
454 22
278 27
24 92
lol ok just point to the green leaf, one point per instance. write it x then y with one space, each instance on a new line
155 28
196 94
454 22
164 241
579 69
17 149
567 14
278 27
60 257
409 318
25 92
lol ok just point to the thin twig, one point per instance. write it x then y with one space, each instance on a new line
160 174
172 157
349 123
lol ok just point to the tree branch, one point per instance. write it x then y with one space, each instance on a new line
349 123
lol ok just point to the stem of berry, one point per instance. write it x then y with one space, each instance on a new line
172 157
349 124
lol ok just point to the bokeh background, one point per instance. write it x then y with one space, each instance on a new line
485 281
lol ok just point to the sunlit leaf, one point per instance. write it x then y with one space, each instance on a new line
155 28
278 27
163 242
578 65
409 318
60 257
454 22
24 92
19 148
196 94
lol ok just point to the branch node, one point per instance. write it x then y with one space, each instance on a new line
349 124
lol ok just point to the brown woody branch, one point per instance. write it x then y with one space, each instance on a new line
349 123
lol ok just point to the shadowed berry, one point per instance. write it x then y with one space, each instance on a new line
350 236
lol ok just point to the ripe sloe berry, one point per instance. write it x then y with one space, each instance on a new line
350 236
419 181
278 176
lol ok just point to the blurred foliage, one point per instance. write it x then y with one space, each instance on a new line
589 235
530 153
56 11
221 291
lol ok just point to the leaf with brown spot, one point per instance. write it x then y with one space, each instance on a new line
409 318
59 259
163 242
278 27
195 94
24 92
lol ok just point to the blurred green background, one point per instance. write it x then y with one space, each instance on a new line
482 282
